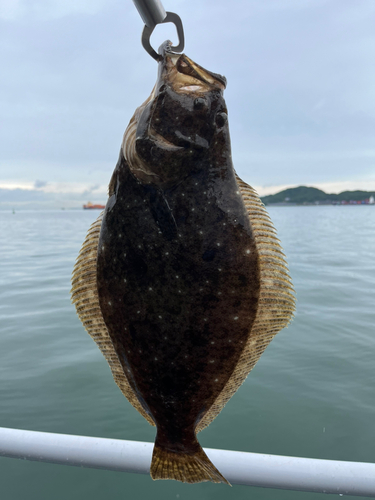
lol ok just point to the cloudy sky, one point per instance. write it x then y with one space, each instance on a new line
300 94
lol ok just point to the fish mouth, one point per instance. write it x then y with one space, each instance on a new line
186 76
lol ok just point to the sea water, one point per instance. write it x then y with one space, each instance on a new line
312 394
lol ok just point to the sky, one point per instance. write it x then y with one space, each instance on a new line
300 93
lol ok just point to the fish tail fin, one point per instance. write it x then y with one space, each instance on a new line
193 467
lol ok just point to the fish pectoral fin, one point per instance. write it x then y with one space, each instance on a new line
184 467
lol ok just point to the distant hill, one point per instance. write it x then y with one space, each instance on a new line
304 195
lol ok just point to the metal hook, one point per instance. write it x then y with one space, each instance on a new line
171 17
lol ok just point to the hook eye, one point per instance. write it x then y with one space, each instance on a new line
147 32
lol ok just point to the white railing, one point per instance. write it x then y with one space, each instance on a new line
252 469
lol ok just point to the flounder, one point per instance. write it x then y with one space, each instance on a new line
181 281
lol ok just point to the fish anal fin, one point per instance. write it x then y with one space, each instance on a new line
185 467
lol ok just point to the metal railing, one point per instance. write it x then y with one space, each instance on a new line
252 469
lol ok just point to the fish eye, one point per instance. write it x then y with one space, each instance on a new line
200 103
221 119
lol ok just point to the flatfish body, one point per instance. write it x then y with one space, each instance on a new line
181 281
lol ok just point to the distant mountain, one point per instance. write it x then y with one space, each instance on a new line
304 195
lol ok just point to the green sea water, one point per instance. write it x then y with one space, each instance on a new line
312 394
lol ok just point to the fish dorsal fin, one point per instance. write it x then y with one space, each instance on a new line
85 298
276 299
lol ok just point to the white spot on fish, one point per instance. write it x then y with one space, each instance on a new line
212 361
212 342
138 312
109 303
160 317
102 248
150 289
156 359
218 244
247 251
216 380
235 318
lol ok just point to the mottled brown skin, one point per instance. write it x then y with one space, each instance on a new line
178 271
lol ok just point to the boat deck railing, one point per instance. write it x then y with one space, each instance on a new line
251 469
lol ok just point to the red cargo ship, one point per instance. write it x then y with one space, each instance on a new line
90 206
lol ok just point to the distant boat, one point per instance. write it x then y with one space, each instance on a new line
91 206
